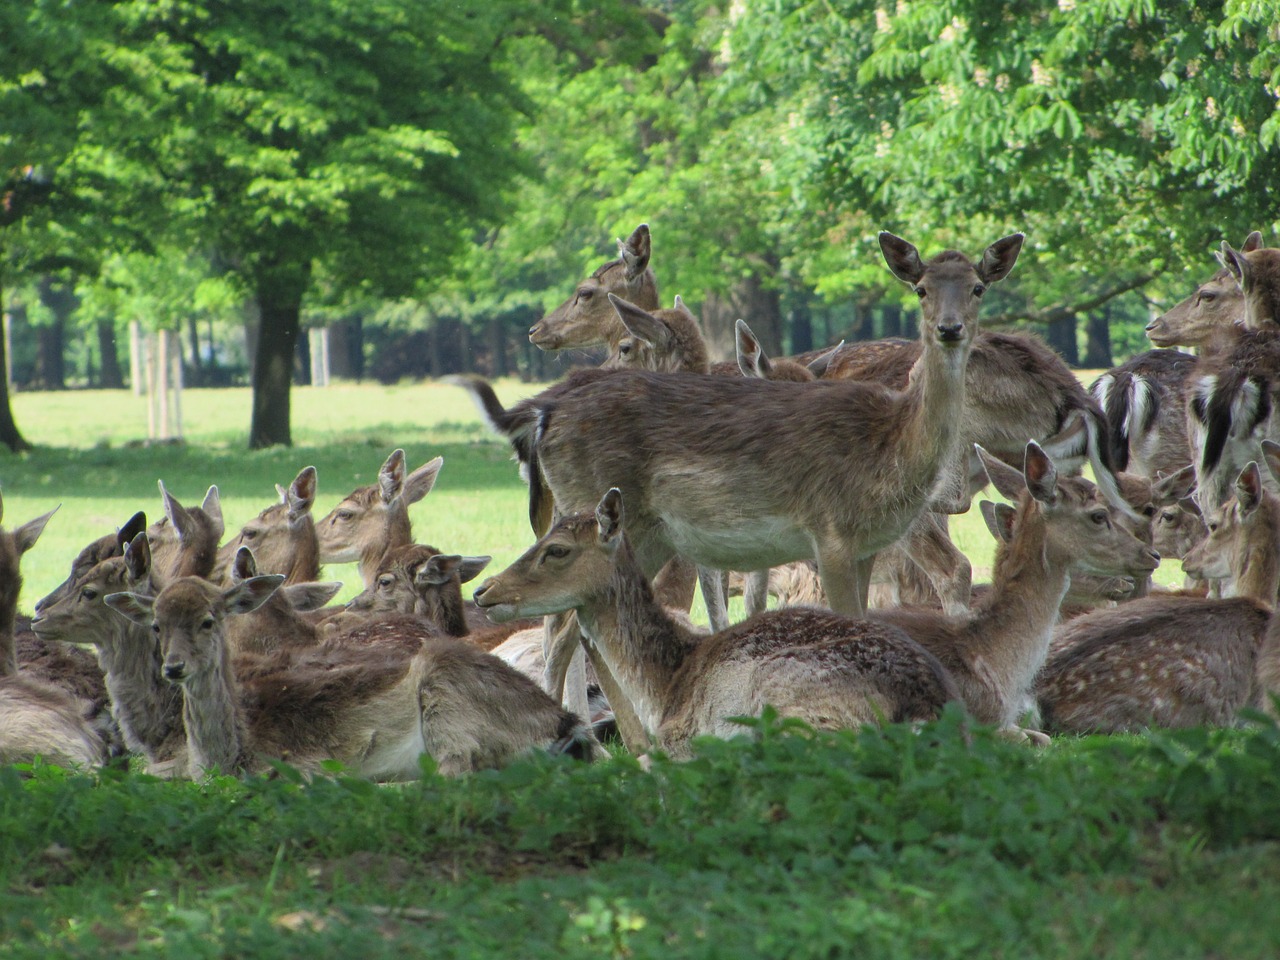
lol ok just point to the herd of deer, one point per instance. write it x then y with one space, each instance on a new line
828 477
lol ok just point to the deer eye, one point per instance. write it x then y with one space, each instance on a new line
1149 510
1100 517
586 294
250 533
386 581
1213 526
557 552
624 348
344 515
88 593
206 623
155 628
1208 297
919 291
979 290
1168 516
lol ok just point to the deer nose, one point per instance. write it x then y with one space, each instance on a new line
481 591
950 329
175 670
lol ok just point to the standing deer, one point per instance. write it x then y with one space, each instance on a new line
376 711
373 519
1212 318
1060 524
828 670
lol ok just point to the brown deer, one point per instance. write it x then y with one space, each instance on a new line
834 469
376 711
1212 318
109 545
36 719
278 623
146 709
1143 399
586 319
664 341
184 542
373 519
282 537
1231 403
1176 661
818 666
994 652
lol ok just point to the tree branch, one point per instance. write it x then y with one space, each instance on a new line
1061 311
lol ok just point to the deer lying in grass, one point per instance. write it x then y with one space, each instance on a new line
820 667
586 319
683 458
108 545
373 519
36 719
375 711
282 537
1231 403
184 542
278 623
1178 661
147 711
994 652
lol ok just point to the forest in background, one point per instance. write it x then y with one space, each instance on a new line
425 179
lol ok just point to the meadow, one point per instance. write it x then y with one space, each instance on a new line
943 842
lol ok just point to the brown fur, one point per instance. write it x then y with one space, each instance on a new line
282 537
665 341
826 669
1144 402
586 318
184 542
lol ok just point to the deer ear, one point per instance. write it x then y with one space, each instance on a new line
640 323
303 597
1271 457
999 519
998 259
903 258
27 534
133 526
244 565
819 365
609 516
137 556
1252 242
472 567
751 359
212 507
1176 486
301 495
1041 474
437 570
1249 487
1006 479
249 595
391 476
634 252
136 606
419 483
1237 265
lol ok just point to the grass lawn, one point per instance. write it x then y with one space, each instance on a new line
940 843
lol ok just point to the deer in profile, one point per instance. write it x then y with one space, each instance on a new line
1060 523
826 669
108 545
36 718
1177 661
184 542
278 622
1212 318
586 318
282 537
683 459
146 709
373 519
375 711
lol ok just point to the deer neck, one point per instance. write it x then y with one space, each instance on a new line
215 726
935 395
1258 577
643 646
1011 630
147 708
396 532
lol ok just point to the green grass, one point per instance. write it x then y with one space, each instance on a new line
881 844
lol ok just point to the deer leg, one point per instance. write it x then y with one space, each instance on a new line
841 579
929 544
755 591
674 584
714 584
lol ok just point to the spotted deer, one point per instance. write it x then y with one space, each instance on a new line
826 669
994 651
282 537
373 519
1174 661
375 711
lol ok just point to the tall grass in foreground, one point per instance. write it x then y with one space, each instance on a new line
90 459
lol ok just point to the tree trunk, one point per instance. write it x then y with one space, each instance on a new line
498 347
62 302
801 326
302 359
891 316
1062 338
112 375
1097 340
9 434
279 298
